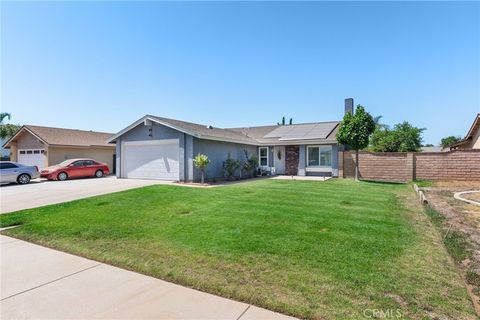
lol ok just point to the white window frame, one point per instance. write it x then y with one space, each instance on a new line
319 156
260 158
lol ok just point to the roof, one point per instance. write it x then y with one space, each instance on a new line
64 137
433 149
318 132
475 126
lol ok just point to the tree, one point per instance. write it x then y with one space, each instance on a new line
447 141
201 161
402 138
283 122
7 129
291 121
355 131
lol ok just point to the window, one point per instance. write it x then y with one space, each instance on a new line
78 164
29 151
319 156
7 165
36 151
22 151
89 163
263 156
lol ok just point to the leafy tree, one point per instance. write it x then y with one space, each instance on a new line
355 131
428 145
7 129
201 161
402 138
447 141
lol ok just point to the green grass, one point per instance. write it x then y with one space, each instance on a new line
319 250
423 183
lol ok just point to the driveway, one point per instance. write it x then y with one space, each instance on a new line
42 192
41 283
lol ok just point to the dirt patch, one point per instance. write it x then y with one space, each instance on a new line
460 223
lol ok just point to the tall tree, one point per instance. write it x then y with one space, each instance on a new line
7 129
447 141
402 138
355 131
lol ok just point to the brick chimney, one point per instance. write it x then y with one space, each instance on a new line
349 105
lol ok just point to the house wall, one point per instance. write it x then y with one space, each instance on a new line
159 132
26 140
217 152
476 140
56 155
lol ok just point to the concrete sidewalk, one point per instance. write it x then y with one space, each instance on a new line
41 283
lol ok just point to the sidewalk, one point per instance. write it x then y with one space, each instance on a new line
41 283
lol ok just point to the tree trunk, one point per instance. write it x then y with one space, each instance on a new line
203 173
356 165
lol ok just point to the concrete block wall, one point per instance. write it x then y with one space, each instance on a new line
403 167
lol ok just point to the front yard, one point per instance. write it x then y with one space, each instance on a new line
320 250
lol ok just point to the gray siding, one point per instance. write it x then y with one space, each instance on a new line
217 152
159 132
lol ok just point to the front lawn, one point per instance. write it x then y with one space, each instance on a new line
320 250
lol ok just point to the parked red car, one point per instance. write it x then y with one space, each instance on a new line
75 168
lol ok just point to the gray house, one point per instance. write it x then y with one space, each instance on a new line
160 148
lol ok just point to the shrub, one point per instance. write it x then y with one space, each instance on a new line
230 166
201 161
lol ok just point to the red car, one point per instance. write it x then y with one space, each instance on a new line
75 168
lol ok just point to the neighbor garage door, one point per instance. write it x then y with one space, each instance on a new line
157 159
32 157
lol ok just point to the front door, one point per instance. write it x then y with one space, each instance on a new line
279 159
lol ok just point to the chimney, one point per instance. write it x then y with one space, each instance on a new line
349 105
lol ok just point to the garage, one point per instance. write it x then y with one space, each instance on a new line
155 159
32 157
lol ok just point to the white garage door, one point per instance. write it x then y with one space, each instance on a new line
32 157
156 159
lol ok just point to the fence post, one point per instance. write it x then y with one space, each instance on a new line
410 166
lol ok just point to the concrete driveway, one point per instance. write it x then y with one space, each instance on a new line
41 283
42 192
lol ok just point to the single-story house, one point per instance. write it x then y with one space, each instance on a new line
472 139
160 148
46 146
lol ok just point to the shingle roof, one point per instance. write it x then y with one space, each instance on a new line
67 137
207 132
297 133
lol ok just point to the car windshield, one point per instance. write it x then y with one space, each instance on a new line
65 163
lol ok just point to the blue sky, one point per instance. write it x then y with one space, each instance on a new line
102 65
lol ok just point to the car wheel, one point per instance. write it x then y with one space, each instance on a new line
23 178
99 174
62 176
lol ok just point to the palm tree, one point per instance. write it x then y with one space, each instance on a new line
7 129
4 115
378 124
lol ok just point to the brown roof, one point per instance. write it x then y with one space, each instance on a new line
475 126
66 137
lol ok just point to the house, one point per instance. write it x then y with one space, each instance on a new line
472 139
161 148
46 146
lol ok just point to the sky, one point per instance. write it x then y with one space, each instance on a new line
103 65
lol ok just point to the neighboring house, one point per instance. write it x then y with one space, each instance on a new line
472 139
45 146
433 149
4 153
160 148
